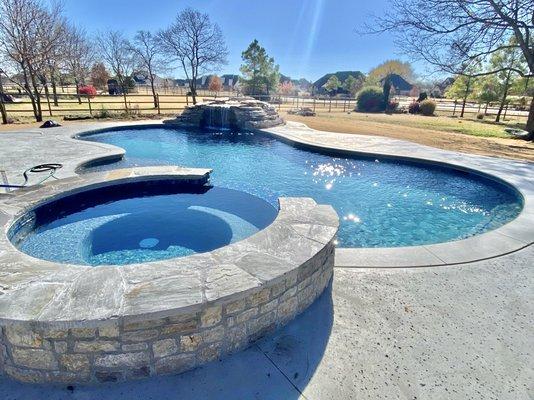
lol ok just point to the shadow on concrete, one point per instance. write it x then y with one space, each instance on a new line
277 367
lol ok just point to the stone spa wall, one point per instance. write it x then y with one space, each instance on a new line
82 325
115 352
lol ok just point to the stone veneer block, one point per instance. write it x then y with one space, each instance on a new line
70 325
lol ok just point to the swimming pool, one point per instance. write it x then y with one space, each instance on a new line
380 202
139 222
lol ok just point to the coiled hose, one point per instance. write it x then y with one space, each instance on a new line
51 168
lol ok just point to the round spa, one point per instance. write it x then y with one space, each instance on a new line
204 272
139 222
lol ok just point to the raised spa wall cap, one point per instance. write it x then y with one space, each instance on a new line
79 324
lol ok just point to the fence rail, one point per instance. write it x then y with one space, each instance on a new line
70 103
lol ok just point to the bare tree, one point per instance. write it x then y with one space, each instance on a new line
197 45
77 56
453 34
148 54
30 33
115 52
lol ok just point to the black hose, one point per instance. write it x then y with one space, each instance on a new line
51 168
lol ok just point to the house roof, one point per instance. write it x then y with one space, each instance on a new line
341 75
398 82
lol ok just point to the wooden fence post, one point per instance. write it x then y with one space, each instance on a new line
330 105
505 110
157 101
89 104
454 110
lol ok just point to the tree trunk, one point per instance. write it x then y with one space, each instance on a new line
467 86
193 93
504 95
386 90
47 94
125 101
38 112
78 91
54 90
530 121
154 92
2 105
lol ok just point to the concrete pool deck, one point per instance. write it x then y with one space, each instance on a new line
446 332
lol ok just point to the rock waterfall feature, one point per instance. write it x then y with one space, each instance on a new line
240 113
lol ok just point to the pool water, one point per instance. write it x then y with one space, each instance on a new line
381 203
140 222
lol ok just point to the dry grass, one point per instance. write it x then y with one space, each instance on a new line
468 136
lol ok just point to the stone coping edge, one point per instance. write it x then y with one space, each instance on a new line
511 237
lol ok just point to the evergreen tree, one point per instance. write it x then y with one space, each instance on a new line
260 74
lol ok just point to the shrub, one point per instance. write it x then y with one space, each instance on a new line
414 108
480 115
422 96
427 107
103 113
392 106
370 100
88 90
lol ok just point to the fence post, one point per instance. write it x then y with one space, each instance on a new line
505 110
454 110
330 105
344 105
186 100
157 101
89 104
314 104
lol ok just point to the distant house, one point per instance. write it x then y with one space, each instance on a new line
439 89
229 82
300 85
318 85
142 78
400 85
181 83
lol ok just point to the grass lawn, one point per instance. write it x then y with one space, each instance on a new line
442 123
465 135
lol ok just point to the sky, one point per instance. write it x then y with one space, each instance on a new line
307 38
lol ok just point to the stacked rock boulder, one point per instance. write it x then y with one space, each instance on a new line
244 113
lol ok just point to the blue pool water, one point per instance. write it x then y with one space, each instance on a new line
381 203
140 222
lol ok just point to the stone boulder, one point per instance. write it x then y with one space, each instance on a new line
241 113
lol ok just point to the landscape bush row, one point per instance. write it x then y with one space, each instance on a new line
371 99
